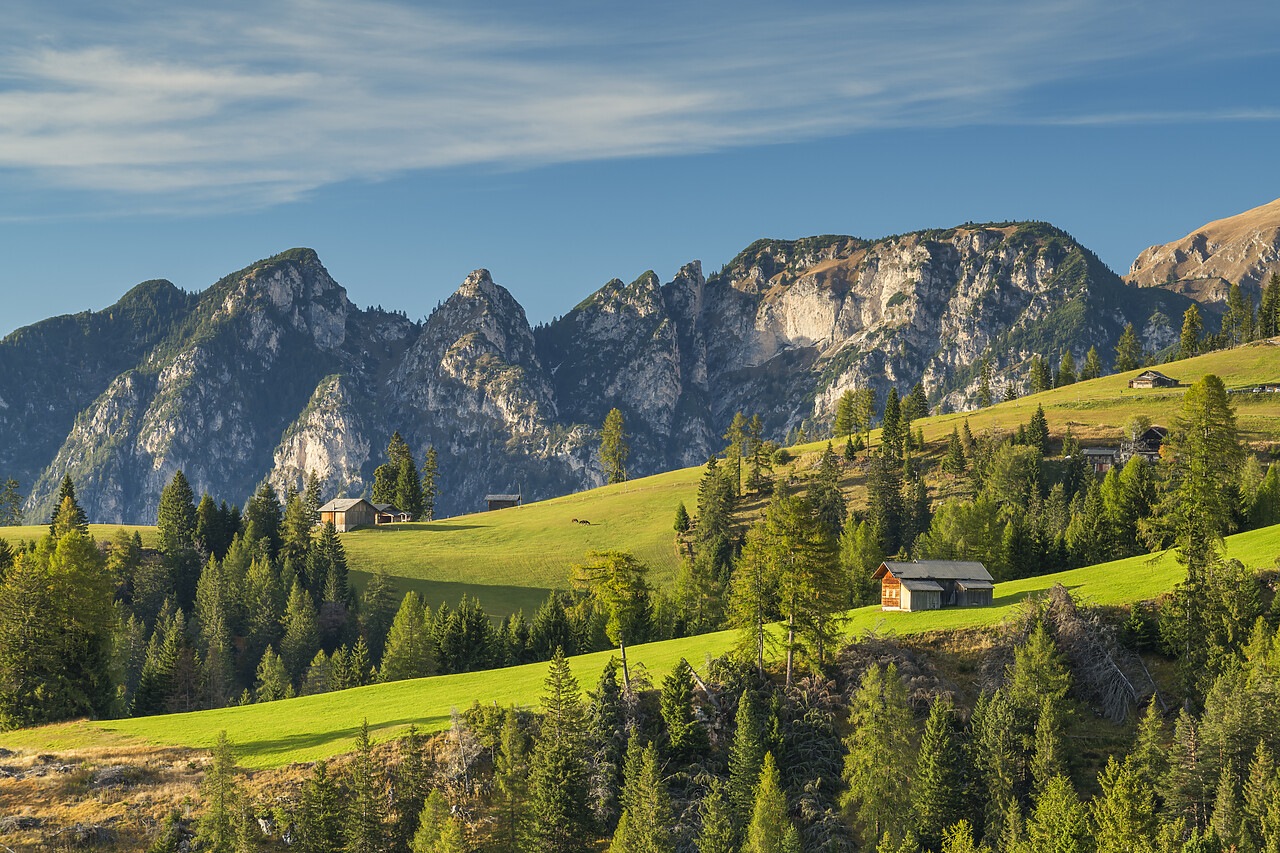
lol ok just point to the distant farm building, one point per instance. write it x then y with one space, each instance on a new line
934 584
388 514
1100 459
347 513
1146 445
501 501
1152 379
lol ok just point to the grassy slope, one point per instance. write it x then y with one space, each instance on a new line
313 727
101 532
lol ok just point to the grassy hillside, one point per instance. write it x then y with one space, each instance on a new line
313 727
533 545
101 532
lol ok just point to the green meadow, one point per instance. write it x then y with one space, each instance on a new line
312 727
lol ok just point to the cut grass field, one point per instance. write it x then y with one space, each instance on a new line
101 532
313 727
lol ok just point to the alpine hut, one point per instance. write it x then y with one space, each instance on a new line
934 584
347 513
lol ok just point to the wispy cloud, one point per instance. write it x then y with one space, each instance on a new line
230 109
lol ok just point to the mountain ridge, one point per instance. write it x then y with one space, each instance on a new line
272 372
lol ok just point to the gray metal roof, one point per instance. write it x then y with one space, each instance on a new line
502 497
921 586
946 569
385 508
972 584
1098 451
342 504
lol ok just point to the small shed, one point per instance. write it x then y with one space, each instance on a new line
388 514
1152 379
501 501
347 513
934 584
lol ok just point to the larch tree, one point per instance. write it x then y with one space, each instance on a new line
844 419
618 581
737 436
1128 351
614 447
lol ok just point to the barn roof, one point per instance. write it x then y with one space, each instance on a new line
1151 374
921 586
502 497
386 508
342 504
931 569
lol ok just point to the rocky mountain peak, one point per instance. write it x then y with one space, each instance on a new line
1243 249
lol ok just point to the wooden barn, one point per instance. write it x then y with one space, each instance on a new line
493 502
934 584
348 513
1152 379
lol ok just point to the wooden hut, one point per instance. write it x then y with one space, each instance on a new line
388 514
347 513
934 584
1152 379
493 502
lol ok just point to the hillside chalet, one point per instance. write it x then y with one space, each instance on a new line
1152 379
388 514
493 502
934 584
348 513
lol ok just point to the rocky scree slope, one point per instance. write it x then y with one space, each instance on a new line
272 373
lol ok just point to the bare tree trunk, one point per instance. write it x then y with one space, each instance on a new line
791 644
626 676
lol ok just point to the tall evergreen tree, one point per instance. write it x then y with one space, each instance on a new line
736 435
891 427
262 519
1268 325
377 613
746 757
430 471
301 638
10 503
984 383
67 516
560 819
1128 351
877 764
1066 370
769 820
646 822
614 447
1237 323
511 783
365 809
1060 821
844 419
1038 431
1189 341
176 516
314 498
409 496
617 581
217 824
716 833
687 738
937 789
1092 365
408 651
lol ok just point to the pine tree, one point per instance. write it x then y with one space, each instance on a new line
916 405
377 612
66 516
10 503
614 448
217 830
1040 378
646 822
687 739
273 679
1050 757
301 638
314 498
410 788
681 524
409 497
1038 431
1185 787
877 764
953 463
891 426
364 829
264 605
1268 325
560 819
1189 341
769 819
431 822
1124 815
824 494
262 520
408 651
937 788
295 538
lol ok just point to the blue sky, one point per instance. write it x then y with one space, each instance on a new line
409 143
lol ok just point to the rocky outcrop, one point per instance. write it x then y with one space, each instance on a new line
1242 249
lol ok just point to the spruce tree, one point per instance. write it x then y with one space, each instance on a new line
984 383
1038 431
953 463
66 516
511 782
1189 343
377 612
1066 370
877 764
1092 365
606 739
1060 821
295 538
686 737
10 503
1050 758
646 822
937 789
273 681
1128 351
431 822
262 520
736 435
301 638
409 489
746 756
365 811
1124 814
844 420
313 497
560 819
891 426
716 833
1268 325
681 524
769 820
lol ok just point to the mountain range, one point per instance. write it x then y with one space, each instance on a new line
272 372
